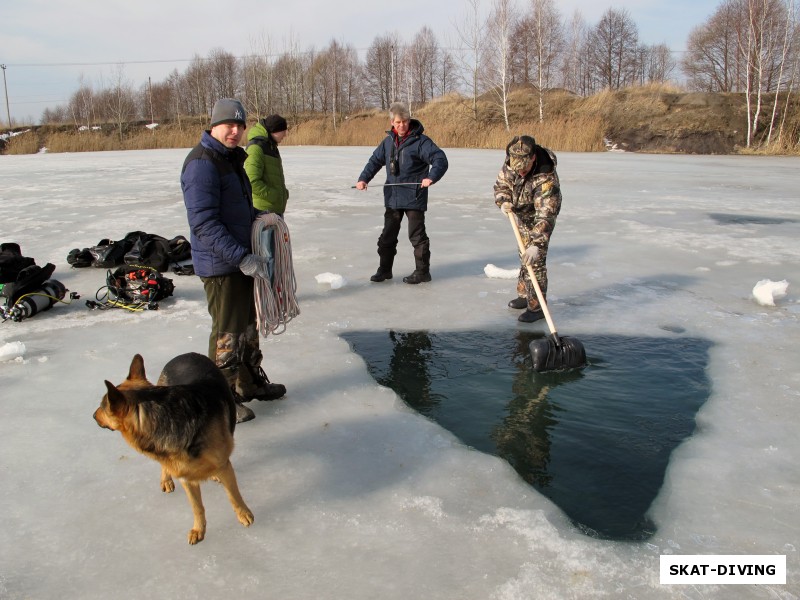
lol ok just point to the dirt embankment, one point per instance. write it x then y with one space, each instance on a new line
693 123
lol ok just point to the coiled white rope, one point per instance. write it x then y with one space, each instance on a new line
275 300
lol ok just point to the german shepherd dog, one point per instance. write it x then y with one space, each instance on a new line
185 422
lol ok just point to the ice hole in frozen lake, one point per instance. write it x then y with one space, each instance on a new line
733 219
596 441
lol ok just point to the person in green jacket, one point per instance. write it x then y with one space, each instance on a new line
264 166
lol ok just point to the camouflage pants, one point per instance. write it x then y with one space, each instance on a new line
233 344
524 285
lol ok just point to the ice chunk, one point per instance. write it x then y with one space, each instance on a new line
767 291
12 351
498 273
335 281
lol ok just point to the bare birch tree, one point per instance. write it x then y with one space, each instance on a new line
223 71
766 27
119 100
174 84
423 59
291 80
258 77
470 32
337 73
573 61
159 97
657 64
546 33
81 105
352 74
790 55
497 56
198 99
378 69
447 73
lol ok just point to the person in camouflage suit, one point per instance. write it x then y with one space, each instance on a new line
528 187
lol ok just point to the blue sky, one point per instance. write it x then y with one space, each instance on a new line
48 46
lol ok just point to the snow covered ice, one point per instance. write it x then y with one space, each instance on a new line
354 494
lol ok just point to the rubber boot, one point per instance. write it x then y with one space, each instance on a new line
518 303
531 316
381 275
418 277
422 263
384 271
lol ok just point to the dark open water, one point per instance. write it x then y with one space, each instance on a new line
596 441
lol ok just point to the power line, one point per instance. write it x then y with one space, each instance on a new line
23 101
166 60
203 59
100 64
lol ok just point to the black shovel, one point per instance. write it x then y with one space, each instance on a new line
554 353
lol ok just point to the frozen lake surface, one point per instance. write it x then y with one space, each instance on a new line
355 494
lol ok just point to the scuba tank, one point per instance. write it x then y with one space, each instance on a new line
50 292
31 293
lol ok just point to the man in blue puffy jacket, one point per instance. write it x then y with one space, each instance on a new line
219 206
413 164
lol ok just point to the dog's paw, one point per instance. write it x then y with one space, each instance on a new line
196 536
245 517
167 485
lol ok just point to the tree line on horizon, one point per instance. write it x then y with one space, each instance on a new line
749 46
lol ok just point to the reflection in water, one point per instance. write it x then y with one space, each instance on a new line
522 438
408 369
596 440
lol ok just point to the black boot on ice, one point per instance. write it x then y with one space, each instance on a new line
531 316
418 277
381 275
518 303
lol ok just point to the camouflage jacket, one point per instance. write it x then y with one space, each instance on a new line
536 197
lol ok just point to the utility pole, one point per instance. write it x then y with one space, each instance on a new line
5 87
150 94
391 92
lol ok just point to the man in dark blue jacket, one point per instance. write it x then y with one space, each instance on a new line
219 206
413 164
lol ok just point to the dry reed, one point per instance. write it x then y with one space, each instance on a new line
452 125
25 143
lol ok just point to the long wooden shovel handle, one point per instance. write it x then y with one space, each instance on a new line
513 219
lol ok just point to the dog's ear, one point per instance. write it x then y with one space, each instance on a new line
136 371
116 399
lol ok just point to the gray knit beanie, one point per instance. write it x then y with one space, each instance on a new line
228 110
